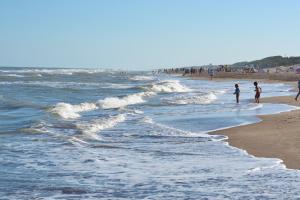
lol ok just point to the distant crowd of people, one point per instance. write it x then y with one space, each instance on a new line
258 91
184 71
222 68
208 69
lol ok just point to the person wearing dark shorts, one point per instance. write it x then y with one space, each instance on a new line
237 93
257 92
296 98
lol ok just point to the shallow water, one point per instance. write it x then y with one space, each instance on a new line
90 134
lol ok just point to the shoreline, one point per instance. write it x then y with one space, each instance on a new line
275 136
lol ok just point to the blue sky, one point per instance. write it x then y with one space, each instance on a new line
145 34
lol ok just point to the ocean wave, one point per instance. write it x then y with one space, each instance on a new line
278 163
13 75
118 86
37 128
115 102
54 71
192 99
167 86
164 130
62 85
69 111
53 84
91 128
142 78
11 103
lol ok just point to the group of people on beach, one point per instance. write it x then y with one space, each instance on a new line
257 90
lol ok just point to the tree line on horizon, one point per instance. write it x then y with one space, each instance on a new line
269 62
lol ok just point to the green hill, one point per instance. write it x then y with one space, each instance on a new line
273 61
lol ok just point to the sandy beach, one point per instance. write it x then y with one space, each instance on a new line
276 136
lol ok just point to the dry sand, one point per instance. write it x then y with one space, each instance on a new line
276 136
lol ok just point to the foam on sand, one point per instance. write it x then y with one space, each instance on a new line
91 128
254 106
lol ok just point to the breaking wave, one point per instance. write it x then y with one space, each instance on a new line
13 75
167 86
164 130
192 99
142 78
54 71
61 85
91 128
69 111
115 102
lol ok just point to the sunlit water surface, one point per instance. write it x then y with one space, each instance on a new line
91 134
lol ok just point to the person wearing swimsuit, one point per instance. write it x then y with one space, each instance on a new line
237 93
257 92
296 98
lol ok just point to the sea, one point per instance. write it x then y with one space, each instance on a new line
111 134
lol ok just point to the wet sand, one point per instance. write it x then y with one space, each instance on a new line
276 136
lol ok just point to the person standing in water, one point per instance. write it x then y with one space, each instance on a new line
296 98
257 92
211 73
237 93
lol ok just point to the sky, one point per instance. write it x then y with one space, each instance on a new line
145 34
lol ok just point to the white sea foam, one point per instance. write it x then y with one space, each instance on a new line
53 84
255 106
164 130
91 128
60 84
53 71
142 78
115 102
13 75
68 111
167 86
219 91
77 141
118 86
192 99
